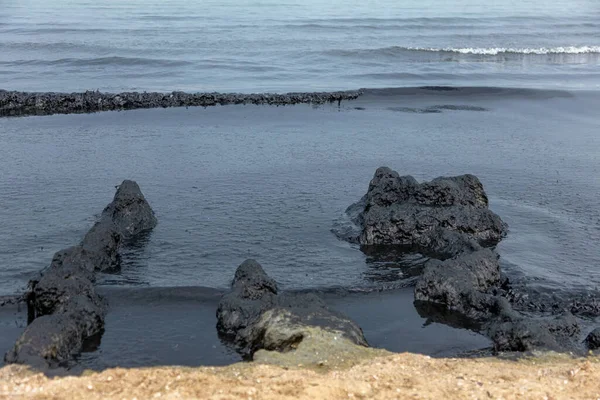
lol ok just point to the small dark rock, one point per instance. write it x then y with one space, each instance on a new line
518 333
461 283
69 275
593 339
129 211
103 241
254 315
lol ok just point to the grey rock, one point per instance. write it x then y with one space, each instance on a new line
282 328
593 339
254 315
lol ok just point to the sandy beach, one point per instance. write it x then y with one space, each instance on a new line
389 377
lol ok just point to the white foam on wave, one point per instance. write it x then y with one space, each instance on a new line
507 50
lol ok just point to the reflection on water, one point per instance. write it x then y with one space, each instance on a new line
398 265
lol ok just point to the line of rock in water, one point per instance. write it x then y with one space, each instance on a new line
13 103
63 307
462 285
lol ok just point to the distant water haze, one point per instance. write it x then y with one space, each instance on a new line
293 45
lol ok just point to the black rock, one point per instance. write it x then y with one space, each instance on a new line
24 103
70 274
518 333
47 342
252 293
254 315
129 211
102 241
593 339
448 220
461 283
51 340
397 210
64 308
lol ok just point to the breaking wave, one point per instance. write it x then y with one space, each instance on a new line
508 50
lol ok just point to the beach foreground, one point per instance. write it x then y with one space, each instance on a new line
390 376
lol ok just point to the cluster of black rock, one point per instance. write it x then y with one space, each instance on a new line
46 103
448 219
64 308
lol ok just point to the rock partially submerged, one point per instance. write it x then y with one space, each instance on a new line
255 315
449 220
397 210
462 284
592 340
70 275
129 211
102 244
25 103
511 331
49 341
64 307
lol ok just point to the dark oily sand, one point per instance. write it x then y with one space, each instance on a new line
177 326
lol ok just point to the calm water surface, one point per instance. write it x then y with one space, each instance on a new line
229 183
